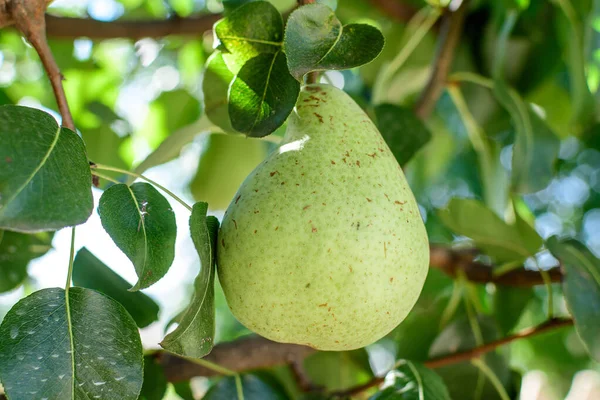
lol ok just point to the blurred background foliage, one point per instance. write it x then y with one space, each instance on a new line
139 105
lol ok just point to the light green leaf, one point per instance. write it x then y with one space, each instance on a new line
253 387
215 85
315 40
142 224
412 381
170 148
91 273
195 334
16 251
80 347
402 130
250 30
225 162
337 370
503 242
581 287
262 95
45 179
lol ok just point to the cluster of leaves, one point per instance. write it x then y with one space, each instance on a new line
250 84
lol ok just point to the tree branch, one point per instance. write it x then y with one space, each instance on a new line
469 354
450 33
451 261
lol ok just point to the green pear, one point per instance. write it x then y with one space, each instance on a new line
323 244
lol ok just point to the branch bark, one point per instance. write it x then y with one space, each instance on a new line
450 33
451 261
469 354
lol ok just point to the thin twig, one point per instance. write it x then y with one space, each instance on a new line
450 33
467 355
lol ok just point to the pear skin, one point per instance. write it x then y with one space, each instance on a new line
323 244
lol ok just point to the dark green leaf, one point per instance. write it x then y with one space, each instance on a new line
315 40
253 387
581 287
45 179
195 334
462 378
78 346
16 251
215 85
250 30
536 145
142 224
412 381
155 382
262 95
495 237
338 370
509 304
402 130
91 273
225 162
184 390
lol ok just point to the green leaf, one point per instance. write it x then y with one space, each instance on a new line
509 304
91 273
103 144
215 85
253 387
183 390
16 251
495 237
337 370
250 30
78 346
195 334
402 130
142 224
536 145
155 382
315 40
262 95
225 162
45 179
180 108
170 148
581 287
412 381
462 378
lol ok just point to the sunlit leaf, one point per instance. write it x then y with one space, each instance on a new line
315 40
195 334
45 179
215 85
142 224
81 346
412 381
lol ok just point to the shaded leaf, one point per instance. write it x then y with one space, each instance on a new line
142 224
509 304
155 382
495 237
91 273
462 378
184 390
225 162
337 370
16 251
248 31
581 287
195 334
215 85
402 130
262 95
78 350
170 148
315 40
45 179
412 381
536 145
253 387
